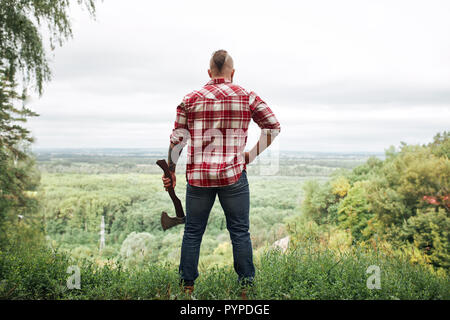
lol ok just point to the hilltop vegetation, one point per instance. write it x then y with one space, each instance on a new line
401 202
35 271
391 213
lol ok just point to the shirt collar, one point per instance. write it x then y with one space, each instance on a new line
218 81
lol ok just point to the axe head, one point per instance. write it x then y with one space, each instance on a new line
169 222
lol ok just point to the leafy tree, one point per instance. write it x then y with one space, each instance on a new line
398 190
429 231
404 199
21 39
370 168
23 57
355 211
17 172
441 144
319 203
340 186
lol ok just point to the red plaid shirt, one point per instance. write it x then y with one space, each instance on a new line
215 120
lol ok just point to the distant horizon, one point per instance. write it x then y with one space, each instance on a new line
352 76
165 149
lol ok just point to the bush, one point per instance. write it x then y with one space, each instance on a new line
306 274
429 231
138 249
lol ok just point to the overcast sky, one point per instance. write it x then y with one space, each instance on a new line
339 75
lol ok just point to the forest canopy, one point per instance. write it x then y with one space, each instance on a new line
403 200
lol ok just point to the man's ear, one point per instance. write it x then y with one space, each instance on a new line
209 73
232 75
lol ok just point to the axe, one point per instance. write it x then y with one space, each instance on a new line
166 221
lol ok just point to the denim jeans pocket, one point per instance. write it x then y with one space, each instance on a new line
241 183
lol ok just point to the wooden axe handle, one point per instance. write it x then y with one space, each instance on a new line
176 202
163 165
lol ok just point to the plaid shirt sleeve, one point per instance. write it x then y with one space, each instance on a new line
180 131
263 115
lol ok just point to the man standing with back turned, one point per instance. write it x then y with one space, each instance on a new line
215 121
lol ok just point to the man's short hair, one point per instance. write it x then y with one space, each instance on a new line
219 61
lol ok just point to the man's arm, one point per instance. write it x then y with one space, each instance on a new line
266 120
172 159
178 140
265 140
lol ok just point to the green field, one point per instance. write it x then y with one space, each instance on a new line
132 205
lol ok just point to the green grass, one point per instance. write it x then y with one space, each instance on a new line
302 274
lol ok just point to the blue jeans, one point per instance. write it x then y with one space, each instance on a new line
235 202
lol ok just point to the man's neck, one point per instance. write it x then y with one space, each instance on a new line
222 77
